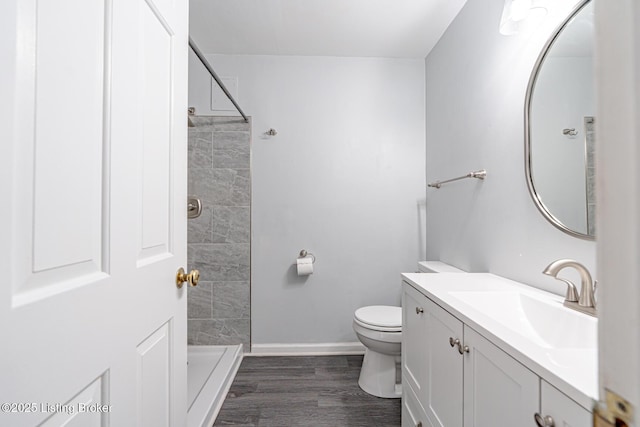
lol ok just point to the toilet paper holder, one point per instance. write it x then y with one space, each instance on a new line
304 254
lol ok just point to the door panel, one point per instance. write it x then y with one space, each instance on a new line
58 204
498 390
154 375
86 409
156 139
69 102
93 135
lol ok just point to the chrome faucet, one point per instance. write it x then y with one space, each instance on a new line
585 302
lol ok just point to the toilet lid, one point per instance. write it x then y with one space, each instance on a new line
384 316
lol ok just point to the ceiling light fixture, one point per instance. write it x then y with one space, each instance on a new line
520 14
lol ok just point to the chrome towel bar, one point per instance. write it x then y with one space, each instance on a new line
481 174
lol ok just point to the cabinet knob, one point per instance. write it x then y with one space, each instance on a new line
544 421
419 424
419 310
456 342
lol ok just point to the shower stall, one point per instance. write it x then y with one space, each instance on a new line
219 235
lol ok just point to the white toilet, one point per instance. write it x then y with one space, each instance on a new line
379 329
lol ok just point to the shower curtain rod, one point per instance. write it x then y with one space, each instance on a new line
215 77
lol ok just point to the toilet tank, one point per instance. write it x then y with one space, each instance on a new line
437 267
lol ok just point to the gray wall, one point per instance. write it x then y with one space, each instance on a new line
219 240
476 81
344 179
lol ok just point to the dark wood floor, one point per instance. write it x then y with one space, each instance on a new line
304 391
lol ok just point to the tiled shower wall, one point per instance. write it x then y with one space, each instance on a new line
589 127
219 240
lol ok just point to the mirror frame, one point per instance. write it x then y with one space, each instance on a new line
527 129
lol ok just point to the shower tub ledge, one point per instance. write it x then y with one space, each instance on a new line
210 372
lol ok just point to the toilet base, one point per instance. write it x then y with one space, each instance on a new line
378 375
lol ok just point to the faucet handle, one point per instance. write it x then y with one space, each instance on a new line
572 291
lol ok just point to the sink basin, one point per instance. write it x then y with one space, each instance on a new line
546 322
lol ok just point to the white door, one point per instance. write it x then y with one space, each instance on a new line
92 217
618 198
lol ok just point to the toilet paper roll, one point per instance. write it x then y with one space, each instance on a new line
305 266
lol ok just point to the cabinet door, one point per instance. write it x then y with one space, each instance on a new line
564 411
412 413
414 343
498 390
432 367
443 391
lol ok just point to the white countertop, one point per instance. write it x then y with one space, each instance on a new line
574 371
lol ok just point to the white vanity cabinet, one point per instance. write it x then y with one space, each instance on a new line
563 411
431 374
498 390
470 382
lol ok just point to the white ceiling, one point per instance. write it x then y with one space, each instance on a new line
354 28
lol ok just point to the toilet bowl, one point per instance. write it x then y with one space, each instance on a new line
379 329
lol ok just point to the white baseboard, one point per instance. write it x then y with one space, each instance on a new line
321 349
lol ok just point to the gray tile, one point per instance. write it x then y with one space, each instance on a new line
200 150
202 331
231 300
591 219
201 122
219 331
241 194
219 238
200 301
591 185
231 124
231 224
221 187
193 330
200 229
221 123
220 262
231 150
590 141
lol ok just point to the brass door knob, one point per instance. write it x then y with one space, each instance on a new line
192 277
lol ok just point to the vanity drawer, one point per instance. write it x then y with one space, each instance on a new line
412 412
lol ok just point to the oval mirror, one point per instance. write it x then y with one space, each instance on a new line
559 122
